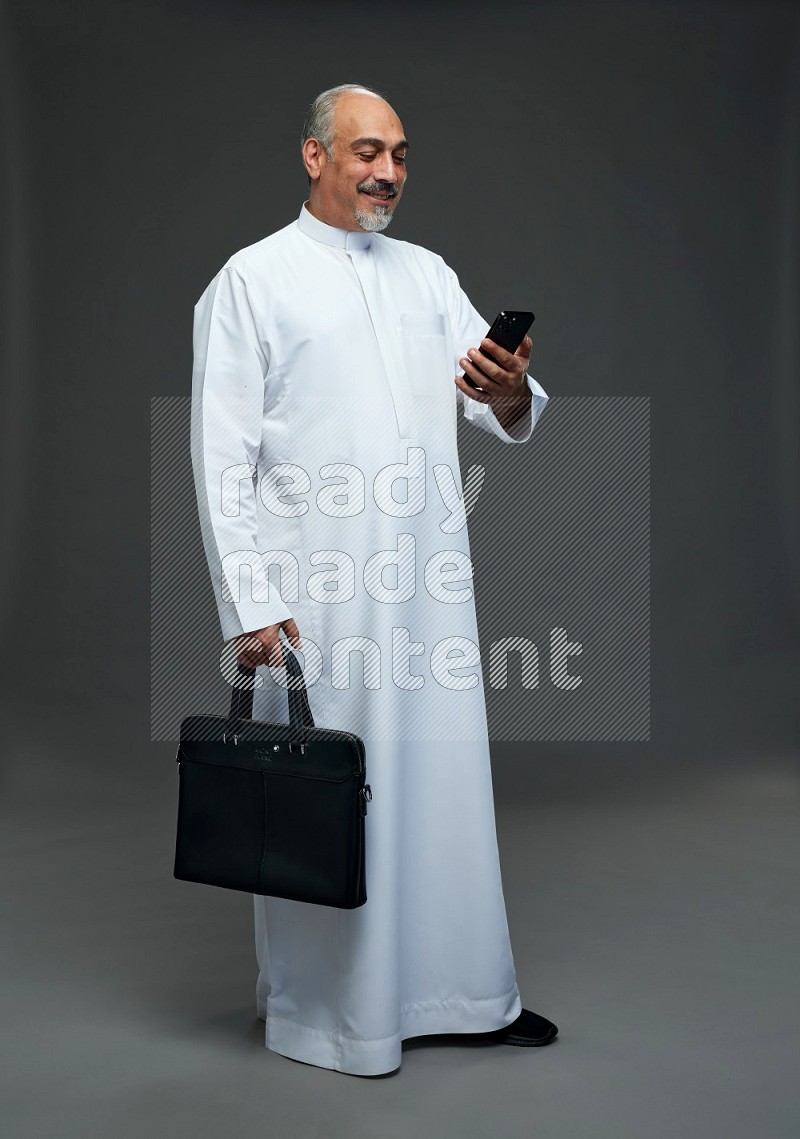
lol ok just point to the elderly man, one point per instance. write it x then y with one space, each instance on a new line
324 417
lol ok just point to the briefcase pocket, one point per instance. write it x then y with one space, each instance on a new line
220 826
274 834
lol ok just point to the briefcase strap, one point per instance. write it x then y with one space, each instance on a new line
300 716
298 696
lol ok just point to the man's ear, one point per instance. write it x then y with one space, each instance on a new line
313 157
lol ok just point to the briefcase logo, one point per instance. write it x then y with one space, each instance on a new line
265 754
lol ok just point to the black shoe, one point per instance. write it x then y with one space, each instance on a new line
527 1031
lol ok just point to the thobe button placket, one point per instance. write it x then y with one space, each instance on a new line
388 341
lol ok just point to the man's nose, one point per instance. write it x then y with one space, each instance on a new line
384 170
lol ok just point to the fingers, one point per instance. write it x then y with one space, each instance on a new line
477 369
480 368
497 376
250 651
292 633
273 653
508 361
525 348
479 397
499 355
264 646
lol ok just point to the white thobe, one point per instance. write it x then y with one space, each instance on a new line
324 416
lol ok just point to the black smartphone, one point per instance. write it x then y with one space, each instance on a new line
508 330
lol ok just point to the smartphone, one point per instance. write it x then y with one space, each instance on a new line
508 330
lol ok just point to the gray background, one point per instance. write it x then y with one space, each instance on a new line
633 170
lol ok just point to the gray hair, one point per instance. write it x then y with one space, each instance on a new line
319 117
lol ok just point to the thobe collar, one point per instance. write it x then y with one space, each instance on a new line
331 234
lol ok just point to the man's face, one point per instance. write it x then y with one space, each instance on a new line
360 189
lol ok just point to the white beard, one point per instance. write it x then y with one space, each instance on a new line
374 220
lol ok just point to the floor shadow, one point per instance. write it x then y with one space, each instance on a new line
448 1040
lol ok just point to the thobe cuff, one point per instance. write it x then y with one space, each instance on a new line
247 615
521 429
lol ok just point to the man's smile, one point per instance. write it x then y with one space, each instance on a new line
379 195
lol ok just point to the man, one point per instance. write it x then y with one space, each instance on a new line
324 419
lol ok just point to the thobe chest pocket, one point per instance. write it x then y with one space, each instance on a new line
427 357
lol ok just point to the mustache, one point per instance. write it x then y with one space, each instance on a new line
378 188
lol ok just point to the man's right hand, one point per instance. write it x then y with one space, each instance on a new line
263 646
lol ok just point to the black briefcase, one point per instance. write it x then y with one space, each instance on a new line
274 809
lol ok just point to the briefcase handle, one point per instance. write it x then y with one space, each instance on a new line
300 716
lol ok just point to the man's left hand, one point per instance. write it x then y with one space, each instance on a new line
502 377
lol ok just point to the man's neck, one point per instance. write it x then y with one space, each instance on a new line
314 209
